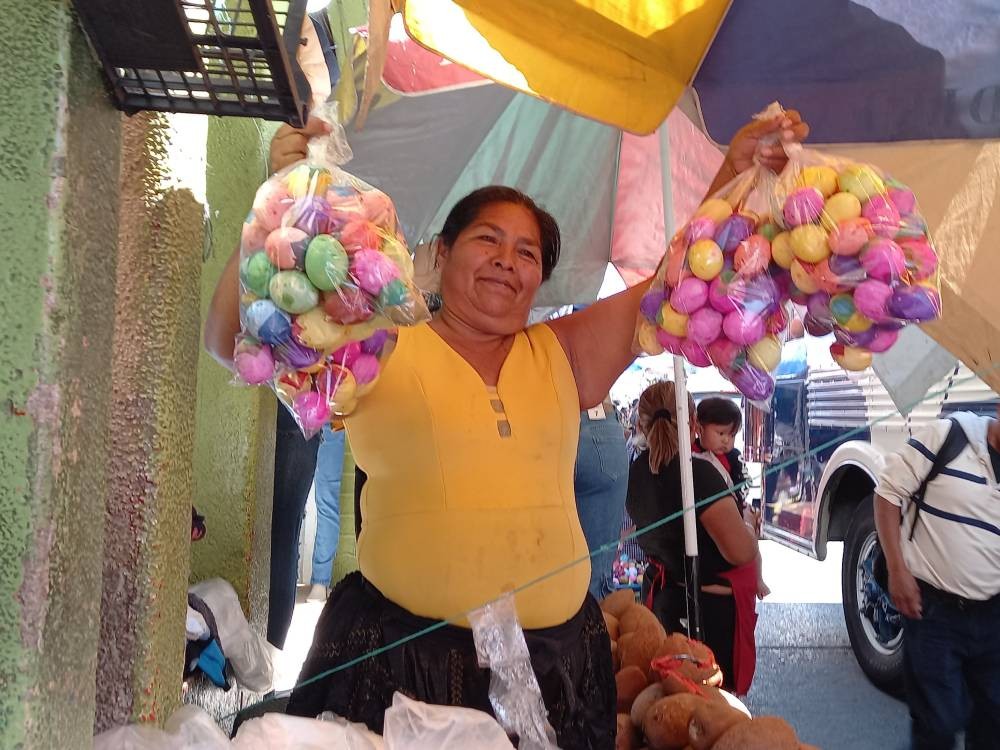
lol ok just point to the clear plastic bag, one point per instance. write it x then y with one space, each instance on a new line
188 728
858 251
413 725
514 692
275 731
325 276
840 237
246 651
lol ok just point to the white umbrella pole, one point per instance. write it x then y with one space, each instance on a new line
691 573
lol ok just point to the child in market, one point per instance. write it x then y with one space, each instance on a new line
719 421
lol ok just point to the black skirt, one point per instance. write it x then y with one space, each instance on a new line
572 662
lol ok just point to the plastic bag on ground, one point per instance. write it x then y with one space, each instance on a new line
842 238
514 692
413 725
276 731
188 728
246 651
325 274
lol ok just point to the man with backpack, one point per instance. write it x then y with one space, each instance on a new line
937 511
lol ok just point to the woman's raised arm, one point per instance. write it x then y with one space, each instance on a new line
223 320
598 340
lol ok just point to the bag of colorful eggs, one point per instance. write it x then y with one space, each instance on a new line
840 238
325 277
860 257
717 297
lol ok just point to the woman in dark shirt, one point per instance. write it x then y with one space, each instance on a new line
725 541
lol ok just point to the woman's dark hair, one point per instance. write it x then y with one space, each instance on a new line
720 411
467 210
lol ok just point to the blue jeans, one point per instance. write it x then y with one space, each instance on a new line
601 482
294 466
329 467
951 659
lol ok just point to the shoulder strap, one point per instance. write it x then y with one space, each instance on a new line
954 443
710 457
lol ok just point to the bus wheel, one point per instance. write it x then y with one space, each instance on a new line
873 624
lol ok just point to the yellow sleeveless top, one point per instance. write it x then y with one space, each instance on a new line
470 489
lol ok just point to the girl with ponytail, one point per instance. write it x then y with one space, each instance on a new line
659 424
726 544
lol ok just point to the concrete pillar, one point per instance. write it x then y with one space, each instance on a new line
234 438
58 218
153 384
108 415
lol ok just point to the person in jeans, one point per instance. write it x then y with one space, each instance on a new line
326 483
294 466
600 482
944 578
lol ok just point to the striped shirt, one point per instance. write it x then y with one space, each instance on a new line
956 542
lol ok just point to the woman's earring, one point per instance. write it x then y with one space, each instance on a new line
436 250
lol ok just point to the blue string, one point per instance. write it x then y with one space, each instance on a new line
606 547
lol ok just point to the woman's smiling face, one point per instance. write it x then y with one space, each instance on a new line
491 272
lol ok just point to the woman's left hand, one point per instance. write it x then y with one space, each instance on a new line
790 129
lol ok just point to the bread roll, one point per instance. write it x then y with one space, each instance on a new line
616 603
630 681
762 733
625 734
666 722
611 623
709 721
643 701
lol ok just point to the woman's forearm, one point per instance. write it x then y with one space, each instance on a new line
726 173
223 320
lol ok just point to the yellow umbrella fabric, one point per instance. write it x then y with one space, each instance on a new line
623 62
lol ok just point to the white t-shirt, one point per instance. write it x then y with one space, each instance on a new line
956 543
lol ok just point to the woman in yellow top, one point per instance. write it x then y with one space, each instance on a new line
469 442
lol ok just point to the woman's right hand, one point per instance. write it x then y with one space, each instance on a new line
290 145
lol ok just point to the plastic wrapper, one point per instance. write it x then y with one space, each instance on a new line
841 238
325 276
413 725
246 651
188 728
276 731
514 692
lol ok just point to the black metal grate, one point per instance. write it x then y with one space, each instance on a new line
221 57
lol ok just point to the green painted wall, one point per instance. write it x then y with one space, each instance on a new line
58 214
156 345
346 560
234 425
